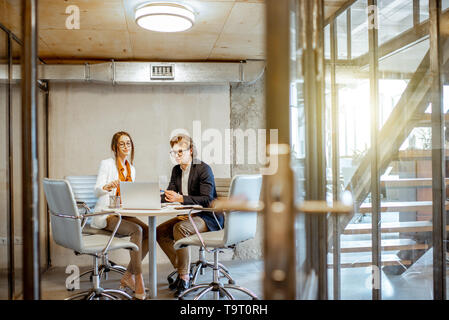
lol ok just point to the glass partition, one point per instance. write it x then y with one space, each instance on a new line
44 231
4 194
405 158
354 130
342 36
359 28
406 179
329 147
16 132
298 143
395 17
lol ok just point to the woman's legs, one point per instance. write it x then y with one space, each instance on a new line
138 231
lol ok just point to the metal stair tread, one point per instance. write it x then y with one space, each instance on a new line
416 154
400 206
407 182
364 260
391 227
387 245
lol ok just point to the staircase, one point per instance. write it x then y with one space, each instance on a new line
411 233
406 204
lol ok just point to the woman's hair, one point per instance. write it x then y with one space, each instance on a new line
114 144
183 138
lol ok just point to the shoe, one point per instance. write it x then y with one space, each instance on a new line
140 296
182 286
124 285
175 284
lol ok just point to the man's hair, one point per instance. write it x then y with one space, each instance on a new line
183 138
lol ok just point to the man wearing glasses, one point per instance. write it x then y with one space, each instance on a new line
191 183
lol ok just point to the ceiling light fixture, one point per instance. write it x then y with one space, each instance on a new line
164 17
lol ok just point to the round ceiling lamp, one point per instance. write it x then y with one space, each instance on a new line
164 17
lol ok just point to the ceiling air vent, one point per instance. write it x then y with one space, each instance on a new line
162 72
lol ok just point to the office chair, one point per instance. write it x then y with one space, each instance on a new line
83 191
198 268
67 225
239 227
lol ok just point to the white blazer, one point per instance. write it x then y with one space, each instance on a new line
106 173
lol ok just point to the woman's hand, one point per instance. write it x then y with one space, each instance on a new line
171 196
111 185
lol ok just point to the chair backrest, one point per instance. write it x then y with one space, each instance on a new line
240 226
83 189
66 232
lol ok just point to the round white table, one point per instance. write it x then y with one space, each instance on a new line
152 214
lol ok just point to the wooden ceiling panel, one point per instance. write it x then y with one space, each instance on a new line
173 47
87 44
243 36
10 13
238 48
331 6
94 14
223 30
3 47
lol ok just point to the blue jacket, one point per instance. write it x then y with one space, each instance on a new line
201 188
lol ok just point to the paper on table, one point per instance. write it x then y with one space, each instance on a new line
168 204
188 206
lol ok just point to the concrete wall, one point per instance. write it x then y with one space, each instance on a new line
248 112
83 118
3 181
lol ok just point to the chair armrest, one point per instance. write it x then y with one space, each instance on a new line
223 206
94 215
196 229
216 219
82 204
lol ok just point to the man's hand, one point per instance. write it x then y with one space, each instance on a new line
171 196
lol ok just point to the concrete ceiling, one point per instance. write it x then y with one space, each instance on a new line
228 30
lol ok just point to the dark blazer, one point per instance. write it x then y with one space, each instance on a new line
201 188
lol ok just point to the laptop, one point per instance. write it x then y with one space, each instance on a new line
140 195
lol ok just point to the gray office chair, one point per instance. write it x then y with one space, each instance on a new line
198 268
83 190
67 225
239 226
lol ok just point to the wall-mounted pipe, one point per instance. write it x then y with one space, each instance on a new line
207 73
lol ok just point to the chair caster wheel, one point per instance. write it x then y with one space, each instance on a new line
71 289
170 280
90 278
231 282
221 294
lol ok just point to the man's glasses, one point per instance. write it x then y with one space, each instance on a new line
122 145
178 153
